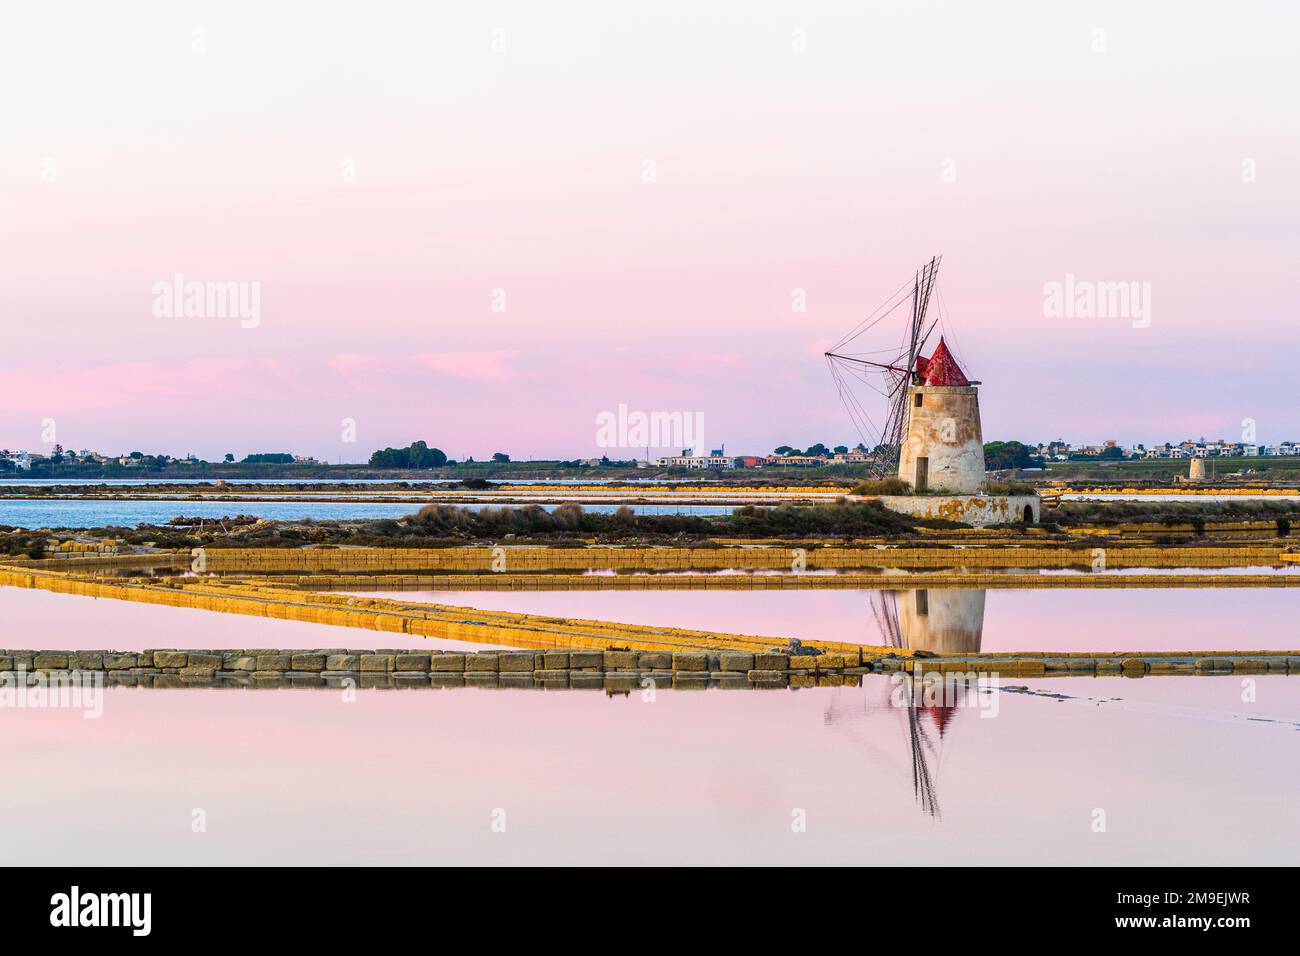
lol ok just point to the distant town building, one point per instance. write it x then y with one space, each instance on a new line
687 459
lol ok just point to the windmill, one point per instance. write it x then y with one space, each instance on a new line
888 371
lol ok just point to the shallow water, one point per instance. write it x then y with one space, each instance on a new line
1154 619
1184 770
128 514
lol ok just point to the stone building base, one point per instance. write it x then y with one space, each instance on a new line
976 510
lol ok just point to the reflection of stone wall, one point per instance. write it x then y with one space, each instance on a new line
976 510
941 621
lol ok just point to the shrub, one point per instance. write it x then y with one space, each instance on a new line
883 486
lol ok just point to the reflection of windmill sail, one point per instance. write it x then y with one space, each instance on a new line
946 621
884 607
923 749
887 372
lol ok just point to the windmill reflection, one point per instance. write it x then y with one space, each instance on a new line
938 621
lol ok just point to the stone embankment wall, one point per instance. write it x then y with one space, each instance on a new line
612 670
976 510
764 581
418 619
601 558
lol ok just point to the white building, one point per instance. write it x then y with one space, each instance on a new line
697 461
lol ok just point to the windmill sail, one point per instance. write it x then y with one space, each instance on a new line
886 372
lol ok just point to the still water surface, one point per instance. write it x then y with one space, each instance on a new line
128 514
1185 770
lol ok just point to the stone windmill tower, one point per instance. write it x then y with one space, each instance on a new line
943 445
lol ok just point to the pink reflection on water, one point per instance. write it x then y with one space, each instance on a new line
1171 619
416 776
1187 770
41 619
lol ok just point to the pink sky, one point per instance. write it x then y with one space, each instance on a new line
811 146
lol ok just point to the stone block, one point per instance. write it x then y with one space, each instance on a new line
170 659
238 661
307 661
738 661
771 661
85 661
407 663
655 660
377 663
586 660
689 661
447 663
481 662
621 660
515 662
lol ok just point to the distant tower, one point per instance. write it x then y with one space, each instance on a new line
1196 471
944 447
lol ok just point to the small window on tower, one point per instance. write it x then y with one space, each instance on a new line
919 399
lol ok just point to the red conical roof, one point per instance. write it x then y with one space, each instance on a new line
940 368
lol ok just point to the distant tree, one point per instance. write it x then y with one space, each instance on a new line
416 455
817 451
783 450
269 458
841 449
1008 454
1112 452
230 456
500 457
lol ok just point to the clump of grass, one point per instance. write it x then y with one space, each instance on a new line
882 486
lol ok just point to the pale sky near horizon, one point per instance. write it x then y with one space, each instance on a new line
381 169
